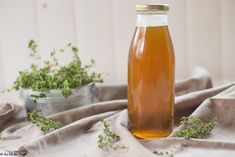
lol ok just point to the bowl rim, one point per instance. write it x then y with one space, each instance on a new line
26 92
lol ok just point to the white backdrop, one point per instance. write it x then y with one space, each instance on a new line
203 33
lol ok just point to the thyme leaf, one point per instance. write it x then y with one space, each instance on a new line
195 127
52 75
45 124
108 139
169 153
35 97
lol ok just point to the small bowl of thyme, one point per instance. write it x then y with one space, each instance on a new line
50 87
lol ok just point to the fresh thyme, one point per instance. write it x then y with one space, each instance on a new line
108 139
52 75
169 153
45 124
163 153
35 97
195 127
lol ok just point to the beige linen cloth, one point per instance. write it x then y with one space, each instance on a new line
78 137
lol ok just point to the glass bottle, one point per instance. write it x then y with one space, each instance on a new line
151 74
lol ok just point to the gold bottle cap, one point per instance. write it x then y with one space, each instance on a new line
161 8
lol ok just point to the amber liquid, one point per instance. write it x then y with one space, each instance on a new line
151 67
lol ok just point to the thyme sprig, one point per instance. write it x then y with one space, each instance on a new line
108 139
52 75
195 127
45 124
164 153
169 153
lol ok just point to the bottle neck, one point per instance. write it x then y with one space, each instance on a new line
151 20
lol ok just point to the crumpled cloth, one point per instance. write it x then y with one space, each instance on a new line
81 126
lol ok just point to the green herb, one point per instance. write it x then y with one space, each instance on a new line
108 139
52 75
195 128
169 153
45 124
36 97
163 153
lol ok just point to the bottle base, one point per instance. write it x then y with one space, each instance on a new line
145 135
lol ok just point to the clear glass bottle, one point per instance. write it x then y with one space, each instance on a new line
151 74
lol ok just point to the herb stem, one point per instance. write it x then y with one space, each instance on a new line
195 127
45 124
108 139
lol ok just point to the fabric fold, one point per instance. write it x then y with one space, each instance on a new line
81 126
